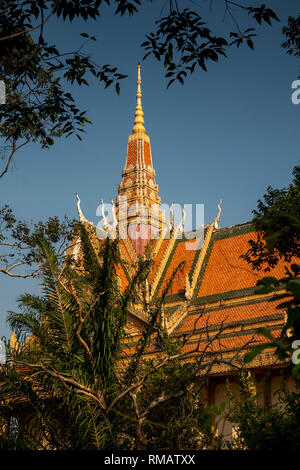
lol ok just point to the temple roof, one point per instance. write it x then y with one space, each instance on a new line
224 295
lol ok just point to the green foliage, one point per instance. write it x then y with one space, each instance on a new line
184 41
259 428
19 242
39 109
292 34
75 330
291 305
171 409
67 383
277 221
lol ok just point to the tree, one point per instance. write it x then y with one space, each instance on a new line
292 34
19 242
37 109
185 42
35 72
277 221
259 428
66 379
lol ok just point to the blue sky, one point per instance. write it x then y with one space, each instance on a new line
227 133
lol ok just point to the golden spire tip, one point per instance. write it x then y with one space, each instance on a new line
138 127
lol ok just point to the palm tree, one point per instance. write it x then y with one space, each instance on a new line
59 379
66 384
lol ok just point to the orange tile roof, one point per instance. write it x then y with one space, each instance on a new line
226 271
229 315
157 259
182 254
217 345
227 343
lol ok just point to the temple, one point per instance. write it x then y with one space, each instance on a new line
214 293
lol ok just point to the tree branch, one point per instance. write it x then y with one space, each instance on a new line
14 149
33 28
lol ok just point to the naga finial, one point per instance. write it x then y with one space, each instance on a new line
80 213
216 221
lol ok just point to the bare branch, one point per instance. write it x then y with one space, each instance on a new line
14 149
80 388
8 272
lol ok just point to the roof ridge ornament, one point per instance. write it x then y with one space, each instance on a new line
216 221
80 213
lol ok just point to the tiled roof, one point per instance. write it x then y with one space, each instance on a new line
227 271
234 342
229 315
223 272
181 255
224 343
157 259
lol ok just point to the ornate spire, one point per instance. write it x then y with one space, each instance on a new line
138 186
138 126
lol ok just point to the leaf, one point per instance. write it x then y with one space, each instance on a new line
255 351
294 287
296 371
295 268
170 82
250 44
284 305
268 281
293 316
266 333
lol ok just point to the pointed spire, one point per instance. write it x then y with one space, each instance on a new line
138 187
138 127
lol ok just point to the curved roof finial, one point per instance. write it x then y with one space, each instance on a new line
138 126
216 221
80 213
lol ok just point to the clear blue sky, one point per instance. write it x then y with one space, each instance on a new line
227 133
